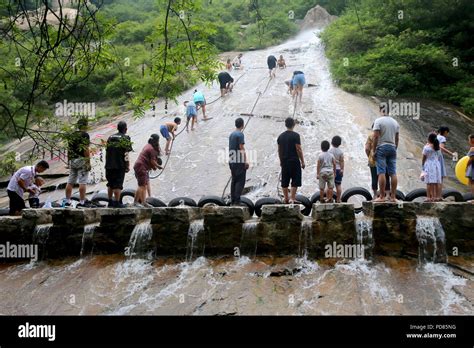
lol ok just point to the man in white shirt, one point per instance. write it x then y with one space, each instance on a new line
20 183
385 145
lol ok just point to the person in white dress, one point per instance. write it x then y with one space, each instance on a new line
432 168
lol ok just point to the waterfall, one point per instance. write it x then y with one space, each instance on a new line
41 233
139 243
364 232
87 237
248 241
305 235
195 227
431 240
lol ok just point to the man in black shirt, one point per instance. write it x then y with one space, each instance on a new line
272 64
291 160
117 163
79 163
226 82
237 162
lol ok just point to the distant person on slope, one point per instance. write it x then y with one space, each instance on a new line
191 114
226 83
147 160
200 102
117 163
272 63
281 62
291 160
228 65
237 62
298 83
167 131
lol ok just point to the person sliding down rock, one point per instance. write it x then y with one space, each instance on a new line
291 160
117 163
237 162
147 160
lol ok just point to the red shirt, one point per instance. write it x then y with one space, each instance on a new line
146 156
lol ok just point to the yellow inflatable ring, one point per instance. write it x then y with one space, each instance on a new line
461 170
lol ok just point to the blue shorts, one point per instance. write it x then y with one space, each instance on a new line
338 178
386 159
165 132
191 111
299 80
200 103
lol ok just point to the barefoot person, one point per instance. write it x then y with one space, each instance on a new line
432 168
298 82
237 162
168 130
291 160
339 157
369 150
228 65
272 63
326 172
226 83
117 163
281 62
147 160
237 62
442 135
385 144
191 114
200 102
21 182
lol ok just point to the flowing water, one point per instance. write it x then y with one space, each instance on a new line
431 239
248 241
87 238
364 233
195 231
139 244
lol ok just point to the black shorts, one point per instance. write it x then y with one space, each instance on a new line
16 202
223 84
272 66
291 171
115 178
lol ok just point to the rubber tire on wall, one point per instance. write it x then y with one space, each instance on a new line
307 204
76 197
4 211
264 201
211 200
468 196
400 195
127 193
249 205
356 191
187 201
458 197
315 197
155 202
410 197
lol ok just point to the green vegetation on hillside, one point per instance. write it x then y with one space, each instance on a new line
419 48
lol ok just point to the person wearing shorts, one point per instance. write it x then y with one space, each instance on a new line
326 172
385 144
21 182
225 82
79 164
272 63
200 102
291 160
298 82
117 163
191 114
167 131
339 157
146 161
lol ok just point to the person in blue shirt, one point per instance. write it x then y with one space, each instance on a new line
200 102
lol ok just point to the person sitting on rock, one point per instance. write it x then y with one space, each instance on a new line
281 62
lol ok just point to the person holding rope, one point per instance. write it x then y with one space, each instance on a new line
298 83
291 160
191 113
147 160
200 102
237 162
226 83
167 131
272 63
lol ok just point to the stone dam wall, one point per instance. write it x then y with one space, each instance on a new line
431 231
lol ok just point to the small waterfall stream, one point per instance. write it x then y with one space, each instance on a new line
431 240
306 236
195 228
139 244
87 238
364 233
248 241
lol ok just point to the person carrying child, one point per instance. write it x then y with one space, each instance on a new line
326 171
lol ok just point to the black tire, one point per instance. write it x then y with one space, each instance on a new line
100 197
155 202
468 196
182 200
211 200
307 204
4 212
264 201
315 198
410 197
400 195
458 197
127 193
249 205
353 191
